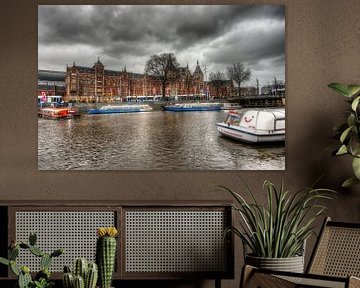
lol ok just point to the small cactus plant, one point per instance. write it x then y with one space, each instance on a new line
42 278
106 254
85 275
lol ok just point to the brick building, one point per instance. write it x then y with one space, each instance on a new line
97 84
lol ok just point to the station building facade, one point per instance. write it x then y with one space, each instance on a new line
97 84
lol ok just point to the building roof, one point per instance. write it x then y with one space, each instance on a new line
198 69
48 75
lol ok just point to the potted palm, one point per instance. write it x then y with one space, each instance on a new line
275 234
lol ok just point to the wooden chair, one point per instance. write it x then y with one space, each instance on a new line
334 263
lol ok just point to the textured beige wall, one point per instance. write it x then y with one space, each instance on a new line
322 46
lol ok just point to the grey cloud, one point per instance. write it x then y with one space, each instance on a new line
130 33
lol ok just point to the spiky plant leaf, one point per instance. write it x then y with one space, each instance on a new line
279 228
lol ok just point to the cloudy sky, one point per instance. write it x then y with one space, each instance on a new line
127 35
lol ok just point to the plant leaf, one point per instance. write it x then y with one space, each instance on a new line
349 182
353 89
356 167
345 134
4 261
342 150
355 103
351 120
340 88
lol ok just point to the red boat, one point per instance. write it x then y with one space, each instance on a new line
58 113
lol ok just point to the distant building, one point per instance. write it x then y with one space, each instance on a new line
97 84
221 89
51 83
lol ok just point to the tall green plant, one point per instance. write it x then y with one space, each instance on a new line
349 131
279 229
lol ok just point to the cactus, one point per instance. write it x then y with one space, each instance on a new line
32 238
105 254
80 267
24 280
43 274
4 261
57 253
87 272
79 282
13 253
68 280
67 269
91 276
14 268
45 261
36 251
42 278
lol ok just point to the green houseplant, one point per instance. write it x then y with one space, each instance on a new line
349 132
42 278
279 229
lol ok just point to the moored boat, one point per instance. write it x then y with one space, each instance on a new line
230 106
109 109
57 113
254 125
184 107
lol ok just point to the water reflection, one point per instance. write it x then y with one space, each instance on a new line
149 141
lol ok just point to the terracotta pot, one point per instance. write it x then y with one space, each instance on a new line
291 264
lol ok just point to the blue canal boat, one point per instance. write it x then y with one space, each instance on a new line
109 109
184 107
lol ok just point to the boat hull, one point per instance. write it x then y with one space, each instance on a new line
112 111
57 113
190 109
119 110
248 136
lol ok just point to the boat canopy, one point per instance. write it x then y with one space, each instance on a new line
264 120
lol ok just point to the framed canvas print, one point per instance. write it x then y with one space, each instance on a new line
161 87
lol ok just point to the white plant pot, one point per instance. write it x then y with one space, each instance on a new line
291 264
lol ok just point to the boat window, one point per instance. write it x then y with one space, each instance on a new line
233 119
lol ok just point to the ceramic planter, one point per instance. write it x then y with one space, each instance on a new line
291 264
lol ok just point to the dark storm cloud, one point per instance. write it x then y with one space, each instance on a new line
128 34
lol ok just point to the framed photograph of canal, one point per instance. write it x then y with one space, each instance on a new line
161 87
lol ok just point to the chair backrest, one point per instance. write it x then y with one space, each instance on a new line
337 251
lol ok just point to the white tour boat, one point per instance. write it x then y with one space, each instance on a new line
254 125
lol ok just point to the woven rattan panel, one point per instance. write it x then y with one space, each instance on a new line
75 231
311 282
338 253
175 241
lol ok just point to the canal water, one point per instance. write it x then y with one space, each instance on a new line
158 140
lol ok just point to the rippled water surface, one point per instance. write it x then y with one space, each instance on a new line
149 141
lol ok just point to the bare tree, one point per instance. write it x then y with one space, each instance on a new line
217 80
188 81
239 74
163 67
